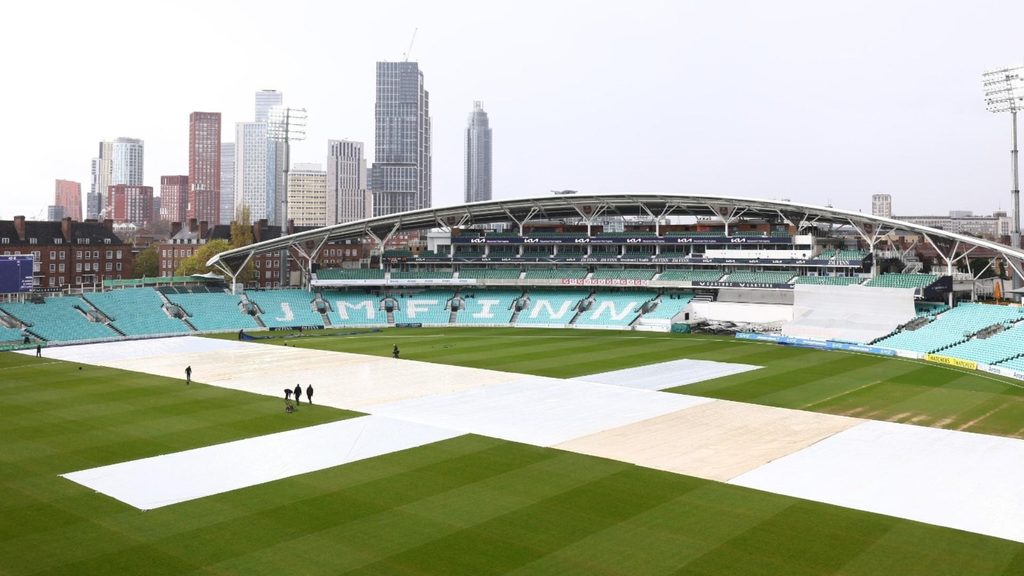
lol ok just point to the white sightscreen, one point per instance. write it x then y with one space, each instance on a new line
848 313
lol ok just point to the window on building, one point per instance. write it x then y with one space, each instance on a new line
58 241
53 255
109 266
78 279
78 253
119 268
53 267
106 240
60 268
33 241
110 254
36 254
96 255
61 255
118 254
78 268
5 240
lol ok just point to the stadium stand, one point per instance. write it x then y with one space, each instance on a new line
622 274
354 309
487 306
690 276
550 308
213 311
536 252
555 273
1014 363
285 308
829 280
932 309
994 349
952 327
136 312
59 319
490 273
10 334
668 306
902 280
421 274
614 309
759 277
350 274
427 307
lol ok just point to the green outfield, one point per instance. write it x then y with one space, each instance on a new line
862 385
470 505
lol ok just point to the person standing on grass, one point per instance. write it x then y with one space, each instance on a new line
39 351
287 395
298 393
394 351
188 374
309 393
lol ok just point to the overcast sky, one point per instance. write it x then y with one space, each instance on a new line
819 101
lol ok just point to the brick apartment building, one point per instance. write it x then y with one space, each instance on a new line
67 254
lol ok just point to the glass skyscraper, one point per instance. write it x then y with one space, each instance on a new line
400 177
478 156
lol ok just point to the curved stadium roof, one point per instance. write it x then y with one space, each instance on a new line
554 207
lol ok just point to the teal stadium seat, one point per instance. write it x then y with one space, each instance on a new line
902 280
487 307
137 312
829 280
214 311
350 274
996 348
555 273
669 307
427 307
952 327
58 320
490 273
285 308
551 308
614 309
355 309
690 276
623 274
760 277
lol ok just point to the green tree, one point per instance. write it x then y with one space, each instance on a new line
196 263
147 263
241 235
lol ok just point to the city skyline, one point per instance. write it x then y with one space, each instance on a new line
653 98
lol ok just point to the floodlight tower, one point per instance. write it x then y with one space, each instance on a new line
286 125
1004 92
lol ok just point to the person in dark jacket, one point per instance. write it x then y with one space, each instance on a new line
39 351
394 351
309 393
298 393
188 374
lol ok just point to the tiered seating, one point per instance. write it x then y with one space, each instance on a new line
1014 364
668 306
555 273
421 274
761 277
1006 344
58 321
623 273
930 308
350 274
952 327
428 307
490 273
850 255
487 306
397 254
536 253
286 308
690 275
10 334
213 311
826 255
502 252
618 309
902 280
689 234
829 280
551 307
354 309
604 251
638 251
137 312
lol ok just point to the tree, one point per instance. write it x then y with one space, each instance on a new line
241 235
196 263
147 263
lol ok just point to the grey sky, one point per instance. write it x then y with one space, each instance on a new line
819 102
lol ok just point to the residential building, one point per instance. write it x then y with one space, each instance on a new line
204 166
127 162
101 171
66 252
307 195
401 173
68 195
174 193
227 182
994 227
478 156
347 197
130 204
54 213
186 238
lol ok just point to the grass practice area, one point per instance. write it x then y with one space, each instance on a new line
470 505
866 386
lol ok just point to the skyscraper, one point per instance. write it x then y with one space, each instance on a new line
128 159
174 195
478 156
204 166
307 195
401 174
130 204
346 182
227 182
265 100
101 174
68 195
251 169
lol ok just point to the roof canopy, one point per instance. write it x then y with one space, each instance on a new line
653 207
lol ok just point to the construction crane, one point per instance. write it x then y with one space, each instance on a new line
408 51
